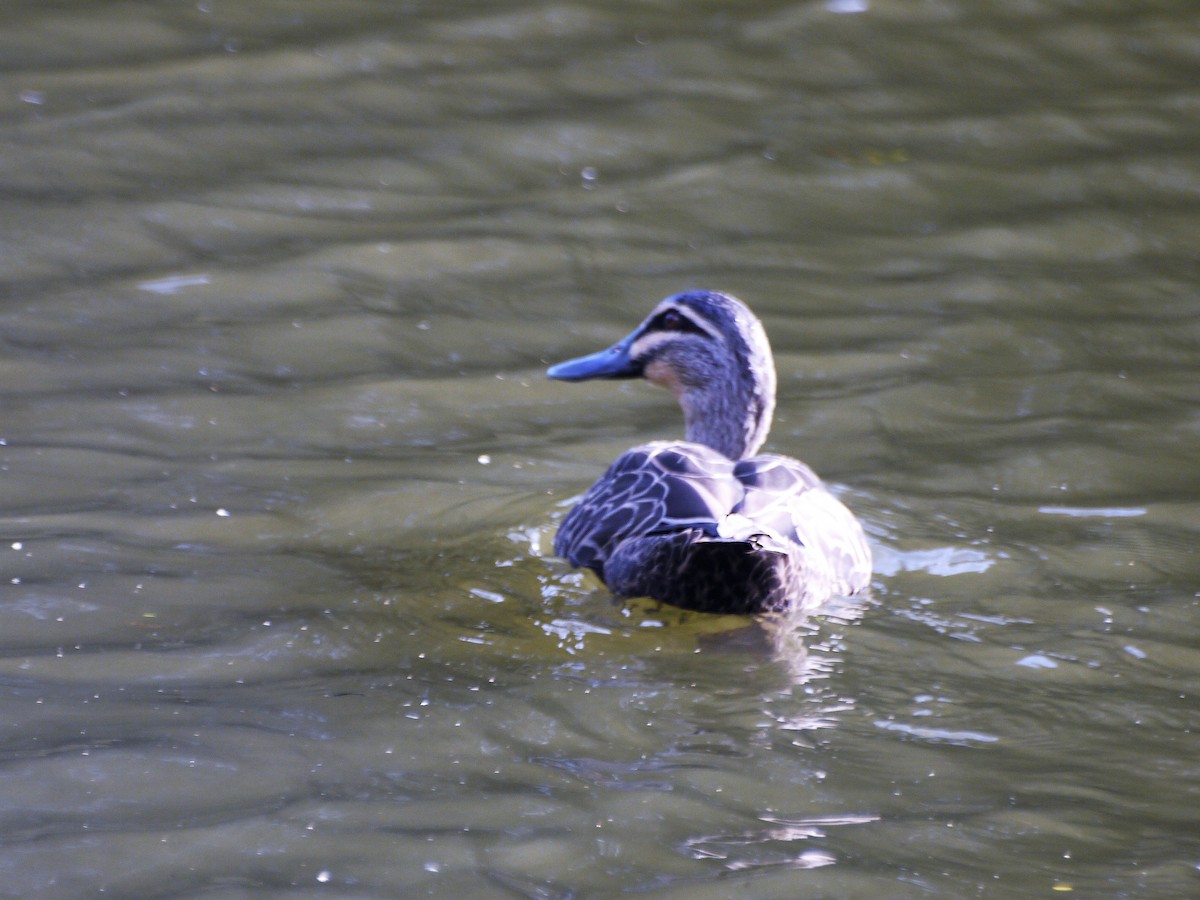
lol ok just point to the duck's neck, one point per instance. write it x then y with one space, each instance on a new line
732 417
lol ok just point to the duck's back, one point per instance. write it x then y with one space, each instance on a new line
680 522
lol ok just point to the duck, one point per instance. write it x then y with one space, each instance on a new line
709 523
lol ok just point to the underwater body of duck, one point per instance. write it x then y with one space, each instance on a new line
704 523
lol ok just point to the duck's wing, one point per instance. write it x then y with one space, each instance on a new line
774 486
786 497
652 489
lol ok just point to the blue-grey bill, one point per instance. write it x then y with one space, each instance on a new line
611 363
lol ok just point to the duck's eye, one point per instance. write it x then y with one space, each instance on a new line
671 321
674 320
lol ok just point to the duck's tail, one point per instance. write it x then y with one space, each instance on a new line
703 569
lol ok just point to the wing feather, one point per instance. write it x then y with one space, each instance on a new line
785 495
657 487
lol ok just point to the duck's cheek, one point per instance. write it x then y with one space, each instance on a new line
658 372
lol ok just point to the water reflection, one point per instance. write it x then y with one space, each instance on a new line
757 848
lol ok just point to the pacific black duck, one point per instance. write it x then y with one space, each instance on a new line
705 523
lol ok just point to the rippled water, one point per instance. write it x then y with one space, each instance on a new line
278 283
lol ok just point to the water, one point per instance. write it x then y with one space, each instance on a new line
281 469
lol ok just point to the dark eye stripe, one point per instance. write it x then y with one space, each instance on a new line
673 320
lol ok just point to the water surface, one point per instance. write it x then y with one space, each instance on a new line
281 469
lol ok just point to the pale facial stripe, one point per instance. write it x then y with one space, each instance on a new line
645 345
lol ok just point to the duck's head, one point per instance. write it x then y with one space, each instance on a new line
711 352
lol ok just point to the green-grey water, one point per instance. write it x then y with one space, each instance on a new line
280 468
